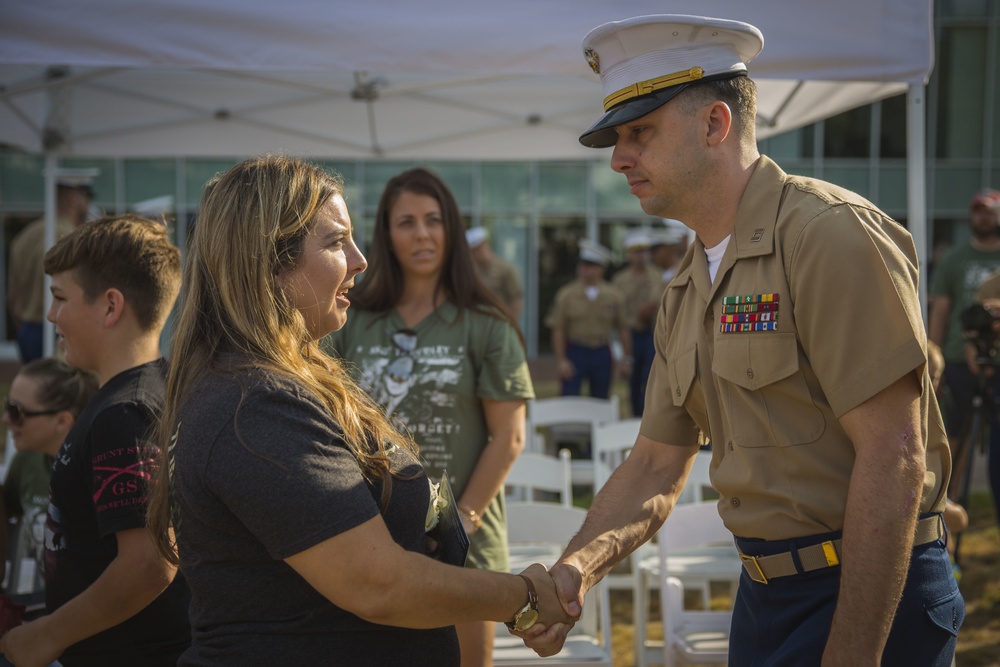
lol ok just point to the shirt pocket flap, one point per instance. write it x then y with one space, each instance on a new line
753 361
681 370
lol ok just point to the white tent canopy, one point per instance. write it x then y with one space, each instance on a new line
440 79
431 80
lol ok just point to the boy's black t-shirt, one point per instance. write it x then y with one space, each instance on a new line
99 487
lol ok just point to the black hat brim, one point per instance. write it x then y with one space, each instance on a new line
602 133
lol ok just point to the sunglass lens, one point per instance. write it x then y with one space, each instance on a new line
14 413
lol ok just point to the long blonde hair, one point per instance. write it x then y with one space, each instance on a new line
252 223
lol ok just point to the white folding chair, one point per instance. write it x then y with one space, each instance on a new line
568 419
698 487
612 443
694 550
537 472
539 532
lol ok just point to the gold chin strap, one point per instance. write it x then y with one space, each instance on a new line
652 85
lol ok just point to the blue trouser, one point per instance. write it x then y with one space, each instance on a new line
29 341
786 621
591 363
642 361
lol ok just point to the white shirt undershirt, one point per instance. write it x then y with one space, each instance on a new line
714 256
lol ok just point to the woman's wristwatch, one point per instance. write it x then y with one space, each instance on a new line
528 614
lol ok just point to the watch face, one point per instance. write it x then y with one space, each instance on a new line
525 620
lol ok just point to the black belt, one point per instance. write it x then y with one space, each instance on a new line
825 554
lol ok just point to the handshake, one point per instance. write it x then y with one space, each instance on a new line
560 603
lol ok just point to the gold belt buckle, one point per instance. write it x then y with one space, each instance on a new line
756 566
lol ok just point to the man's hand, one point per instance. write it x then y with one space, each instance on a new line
566 586
550 606
566 369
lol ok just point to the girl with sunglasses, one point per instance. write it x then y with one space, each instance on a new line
299 510
45 398
440 352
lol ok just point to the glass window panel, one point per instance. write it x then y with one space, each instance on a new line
199 172
506 186
612 193
377 174
954 186
146 179
352 189
848 134
963 8
105 196
787 145
947 232
892 141
960 89
22 183
557 254
562 187
508 237
458 176
892 188
853 178
345 169
799 167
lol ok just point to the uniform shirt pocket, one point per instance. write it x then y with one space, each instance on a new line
764 394
681 369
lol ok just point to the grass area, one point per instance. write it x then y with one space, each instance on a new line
979 555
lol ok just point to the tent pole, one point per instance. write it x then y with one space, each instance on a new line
916 183
48 329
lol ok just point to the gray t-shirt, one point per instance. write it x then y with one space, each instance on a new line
261 473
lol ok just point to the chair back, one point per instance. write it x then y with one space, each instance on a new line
612 443
553 423
539 532
695 546
698 487
535 473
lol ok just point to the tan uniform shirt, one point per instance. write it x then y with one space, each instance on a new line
26 275
502 278
637 290
583 321
844 322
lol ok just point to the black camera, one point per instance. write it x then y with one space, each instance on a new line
980 327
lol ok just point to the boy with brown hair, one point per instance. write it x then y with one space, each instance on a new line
110 599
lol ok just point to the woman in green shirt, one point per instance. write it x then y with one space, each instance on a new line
439 351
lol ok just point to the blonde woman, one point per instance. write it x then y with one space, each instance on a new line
299 511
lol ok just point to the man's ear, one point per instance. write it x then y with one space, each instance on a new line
114 307
720 122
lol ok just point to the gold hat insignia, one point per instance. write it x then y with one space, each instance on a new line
593 60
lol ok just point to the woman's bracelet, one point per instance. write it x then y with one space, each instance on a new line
472 515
